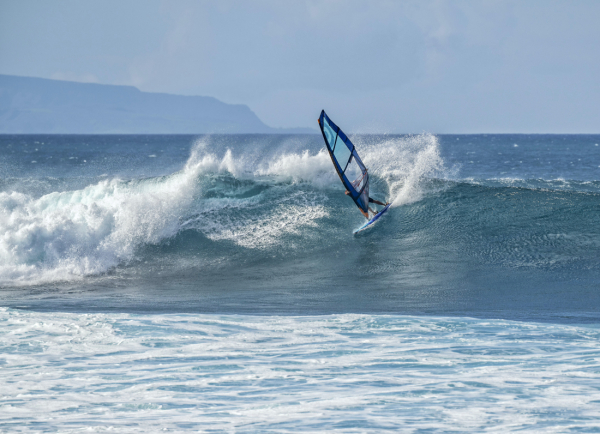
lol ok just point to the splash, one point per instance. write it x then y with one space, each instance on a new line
301 167
67 235
256 200
405 164
71 234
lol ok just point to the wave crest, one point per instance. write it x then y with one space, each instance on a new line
65 235
405 164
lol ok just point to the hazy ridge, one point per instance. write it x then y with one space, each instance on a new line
37 105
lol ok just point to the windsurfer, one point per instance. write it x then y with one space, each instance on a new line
366 214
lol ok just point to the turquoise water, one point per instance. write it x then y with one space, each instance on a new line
214 283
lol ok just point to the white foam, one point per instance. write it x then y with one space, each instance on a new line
70 234
63 372
302 167
66 235
258 231
252 227
405 163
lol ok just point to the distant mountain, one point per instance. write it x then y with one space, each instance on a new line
37 105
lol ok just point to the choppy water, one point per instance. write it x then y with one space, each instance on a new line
225 271
347 373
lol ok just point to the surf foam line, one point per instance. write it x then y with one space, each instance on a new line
65 372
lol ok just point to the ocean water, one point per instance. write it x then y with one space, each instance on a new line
213 283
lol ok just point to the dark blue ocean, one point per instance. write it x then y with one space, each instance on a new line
213 283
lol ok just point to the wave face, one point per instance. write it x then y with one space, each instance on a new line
484 225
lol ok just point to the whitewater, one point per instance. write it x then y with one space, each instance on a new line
69 234
213 283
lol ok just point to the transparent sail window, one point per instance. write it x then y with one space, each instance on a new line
357 175
329 133
341 153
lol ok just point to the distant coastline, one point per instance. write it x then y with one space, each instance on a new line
43 106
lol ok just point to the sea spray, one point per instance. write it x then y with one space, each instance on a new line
302 167
254 200
65 235
405 163
241 301
255 223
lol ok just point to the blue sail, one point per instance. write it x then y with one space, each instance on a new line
346 161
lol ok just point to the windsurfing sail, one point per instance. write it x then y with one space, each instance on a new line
346 161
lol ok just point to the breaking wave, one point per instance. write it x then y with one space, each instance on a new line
280 201
250 201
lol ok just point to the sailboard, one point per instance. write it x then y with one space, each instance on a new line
348 165
373 220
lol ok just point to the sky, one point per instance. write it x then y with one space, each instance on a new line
375 66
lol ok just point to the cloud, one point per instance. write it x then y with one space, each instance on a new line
408 66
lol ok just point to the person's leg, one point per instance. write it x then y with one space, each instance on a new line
377 202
